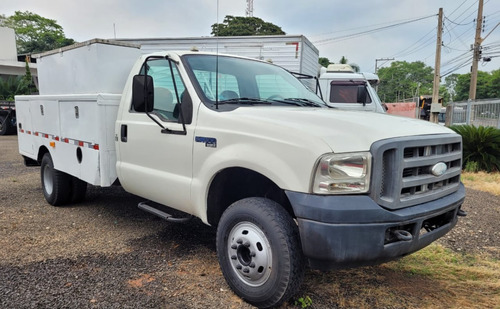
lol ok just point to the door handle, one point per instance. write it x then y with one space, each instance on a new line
123 134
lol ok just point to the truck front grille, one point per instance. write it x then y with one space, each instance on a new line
403 169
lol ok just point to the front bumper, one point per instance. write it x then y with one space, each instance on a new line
350 231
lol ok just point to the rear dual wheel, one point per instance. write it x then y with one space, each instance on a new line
6 127
58 187
259 252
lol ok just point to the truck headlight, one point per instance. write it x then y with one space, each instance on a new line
343 173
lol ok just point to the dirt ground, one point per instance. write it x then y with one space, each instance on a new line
106 253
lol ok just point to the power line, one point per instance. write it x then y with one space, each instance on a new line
353 35
361 27
451 21
458 7
402 53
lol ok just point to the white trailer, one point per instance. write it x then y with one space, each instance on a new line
292 52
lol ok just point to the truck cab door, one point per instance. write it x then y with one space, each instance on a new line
155 139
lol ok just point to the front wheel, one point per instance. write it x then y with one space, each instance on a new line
259 252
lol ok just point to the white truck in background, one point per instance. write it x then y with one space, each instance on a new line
245 147
345 89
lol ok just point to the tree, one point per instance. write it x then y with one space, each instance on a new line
324 61
11 86
451 84
484 89
244 26
34 33
354 66
404 80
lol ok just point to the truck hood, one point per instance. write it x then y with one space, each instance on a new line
341 131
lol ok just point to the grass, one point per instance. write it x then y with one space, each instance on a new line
487 182
434 277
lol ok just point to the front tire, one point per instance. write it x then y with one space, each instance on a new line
259 252
56 185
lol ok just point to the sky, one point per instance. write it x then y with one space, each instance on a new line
337 28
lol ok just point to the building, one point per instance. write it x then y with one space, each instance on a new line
9 60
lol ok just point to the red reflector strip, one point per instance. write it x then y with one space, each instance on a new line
65 140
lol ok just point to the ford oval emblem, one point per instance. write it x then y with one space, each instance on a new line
439 169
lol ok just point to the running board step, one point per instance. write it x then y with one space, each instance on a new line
165 216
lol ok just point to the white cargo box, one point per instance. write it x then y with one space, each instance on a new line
95 66
77 129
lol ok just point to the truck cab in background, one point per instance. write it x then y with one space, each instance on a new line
345 89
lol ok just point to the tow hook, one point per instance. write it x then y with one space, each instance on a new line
402 235
461 213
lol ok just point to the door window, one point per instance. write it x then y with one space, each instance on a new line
165 99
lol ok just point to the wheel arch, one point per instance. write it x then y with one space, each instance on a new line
41 152
235 183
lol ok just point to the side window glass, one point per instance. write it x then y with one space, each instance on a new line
165 99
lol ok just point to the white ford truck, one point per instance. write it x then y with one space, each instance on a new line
247 148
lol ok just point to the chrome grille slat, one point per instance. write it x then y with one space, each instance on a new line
432 160
402 169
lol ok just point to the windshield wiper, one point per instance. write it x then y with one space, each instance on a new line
249 101
299 102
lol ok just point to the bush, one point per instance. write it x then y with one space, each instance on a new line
481 146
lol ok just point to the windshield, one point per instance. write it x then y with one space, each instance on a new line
346 92
245 81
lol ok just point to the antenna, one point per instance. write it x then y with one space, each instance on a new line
249 10
217 63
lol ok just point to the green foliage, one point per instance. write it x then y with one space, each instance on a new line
471 167
443 92
304 302
488 85
481 146
343 60
324 61
404 80
11 86
244 26
34 33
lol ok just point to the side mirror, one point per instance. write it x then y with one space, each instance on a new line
362 93
142 93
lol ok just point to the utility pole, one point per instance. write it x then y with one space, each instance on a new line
381 59
376 67
435 105
476 52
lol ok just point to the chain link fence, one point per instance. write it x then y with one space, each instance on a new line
478 113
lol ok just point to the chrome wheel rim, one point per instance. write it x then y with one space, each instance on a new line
250 253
